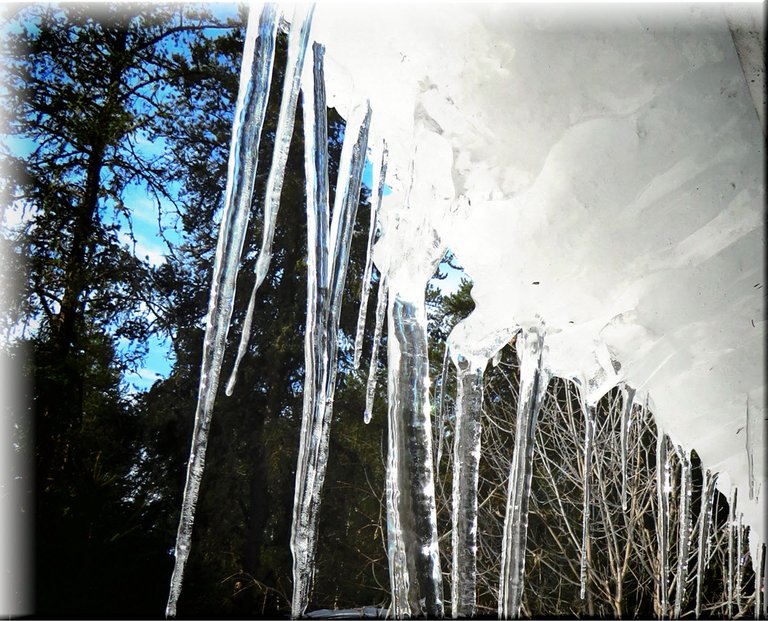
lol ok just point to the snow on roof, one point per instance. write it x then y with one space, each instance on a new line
600 170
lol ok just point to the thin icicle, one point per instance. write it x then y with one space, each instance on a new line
626 422
346 202
370 388
534 378
298 38
705 528
415 564
739 560
663 487
764 565
684 529
466 470
380 173
321 346
731 522
589 435
440 432
255 77
752 435
757 547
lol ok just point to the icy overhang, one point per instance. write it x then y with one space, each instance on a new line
600 170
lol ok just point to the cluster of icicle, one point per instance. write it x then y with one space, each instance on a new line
327 258
414 559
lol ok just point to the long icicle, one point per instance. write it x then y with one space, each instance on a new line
663 486
255 77
298 38
589 436
316 172
466 471
739 561
346 202
318 408
370 387
414 554
705 527
752 435
399 577
380 173
533 385
626 421
731 521
764 571
440 426
757 546
684 529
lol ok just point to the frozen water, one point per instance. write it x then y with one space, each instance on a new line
415 571
663 487
298 38
370 388
705 528
597 171
533 385
255 77
589 435
684 529
615 190
626 421
440 427
731 528
315 335
380 173
466 464
327 262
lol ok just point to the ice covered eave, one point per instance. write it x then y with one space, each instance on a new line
615 191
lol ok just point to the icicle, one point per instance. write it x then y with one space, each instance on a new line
739 561
298 37
663 486
370 388
325 283
534 378
684 529
440 413
731 521
764 565
626 421
380 172
466 469
705 527
255 77
752 438
756 567
415 566
396 555
588 411
316 172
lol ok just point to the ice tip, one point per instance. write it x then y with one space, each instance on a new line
367 417
231 384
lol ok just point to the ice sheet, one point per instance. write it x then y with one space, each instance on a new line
601 169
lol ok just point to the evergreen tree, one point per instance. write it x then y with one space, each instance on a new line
84 88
